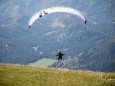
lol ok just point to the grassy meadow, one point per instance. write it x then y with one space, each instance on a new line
45 62
21 75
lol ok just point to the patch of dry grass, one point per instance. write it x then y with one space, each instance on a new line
20 75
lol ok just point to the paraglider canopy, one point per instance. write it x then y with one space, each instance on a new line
56 9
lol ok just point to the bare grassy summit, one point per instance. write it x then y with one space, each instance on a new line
21 75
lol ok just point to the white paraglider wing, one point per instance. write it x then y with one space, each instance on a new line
53 10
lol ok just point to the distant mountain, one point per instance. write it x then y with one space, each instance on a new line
55 32
100 57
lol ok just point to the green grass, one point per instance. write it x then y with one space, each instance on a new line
43 62
20 75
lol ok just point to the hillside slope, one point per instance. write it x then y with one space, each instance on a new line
100 57
17 75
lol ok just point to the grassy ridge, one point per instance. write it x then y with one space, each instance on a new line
18 75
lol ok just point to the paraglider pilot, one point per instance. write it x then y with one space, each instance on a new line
60 54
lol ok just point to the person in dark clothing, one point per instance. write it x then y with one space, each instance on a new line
60 55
